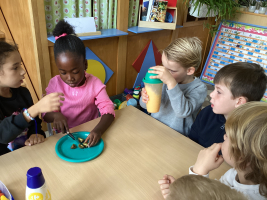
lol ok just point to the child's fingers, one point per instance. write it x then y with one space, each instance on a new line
60 94
163 181
92 141
215 148
158 67
144 91
27 142
35 139
145 99
165 196
95 141
87 139
31 142
62 128
56 94
171 178
165 192
164 186
39 140
155 77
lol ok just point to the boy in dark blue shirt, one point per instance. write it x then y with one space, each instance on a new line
235 84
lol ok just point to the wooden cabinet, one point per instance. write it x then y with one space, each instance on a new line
23 22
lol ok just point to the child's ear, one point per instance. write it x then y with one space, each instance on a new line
85 65
240 101
190 71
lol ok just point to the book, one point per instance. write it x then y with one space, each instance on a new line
144 10
158 12
150 6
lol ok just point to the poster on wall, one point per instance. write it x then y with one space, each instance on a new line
236 42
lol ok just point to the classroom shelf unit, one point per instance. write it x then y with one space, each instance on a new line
23 22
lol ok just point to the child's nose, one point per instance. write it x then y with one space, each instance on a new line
211 94
70 78
22 71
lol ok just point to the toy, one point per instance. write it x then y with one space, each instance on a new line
117 103
132 102
4 193
128 96
123 105
127 91
3 197
136 93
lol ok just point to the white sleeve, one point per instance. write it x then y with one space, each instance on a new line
191 172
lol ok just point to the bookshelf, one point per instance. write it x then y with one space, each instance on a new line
24 23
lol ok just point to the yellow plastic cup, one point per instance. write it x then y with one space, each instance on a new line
154 90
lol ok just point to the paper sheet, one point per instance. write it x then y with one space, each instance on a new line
83 24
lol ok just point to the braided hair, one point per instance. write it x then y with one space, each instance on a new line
70 42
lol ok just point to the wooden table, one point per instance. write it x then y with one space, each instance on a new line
138 151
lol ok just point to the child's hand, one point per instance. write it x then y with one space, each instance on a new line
60 122
50 102
93 138
208 159
164 75
144 95
165 185
34 139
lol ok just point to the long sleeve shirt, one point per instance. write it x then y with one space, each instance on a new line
180 105
82 103
12 122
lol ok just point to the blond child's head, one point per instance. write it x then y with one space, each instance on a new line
195 187
182 57
245 145
236 84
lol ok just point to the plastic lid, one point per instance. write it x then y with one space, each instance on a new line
35 178
147 78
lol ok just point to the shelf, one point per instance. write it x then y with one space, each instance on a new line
251 13
104 34
137 29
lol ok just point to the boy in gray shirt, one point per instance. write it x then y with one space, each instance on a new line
182 93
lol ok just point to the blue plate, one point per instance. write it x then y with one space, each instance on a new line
64 151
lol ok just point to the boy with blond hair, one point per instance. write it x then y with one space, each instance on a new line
235 84
196 187
182 93
244 148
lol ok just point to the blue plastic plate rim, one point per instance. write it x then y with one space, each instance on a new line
100 143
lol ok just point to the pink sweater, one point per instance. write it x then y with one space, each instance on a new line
81 103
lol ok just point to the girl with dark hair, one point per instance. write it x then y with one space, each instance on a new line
84 93
19 121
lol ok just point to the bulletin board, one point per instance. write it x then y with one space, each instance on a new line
236 42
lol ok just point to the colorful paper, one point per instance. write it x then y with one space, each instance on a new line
97 69
91 56
137 64
149 61
157 54
236 42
